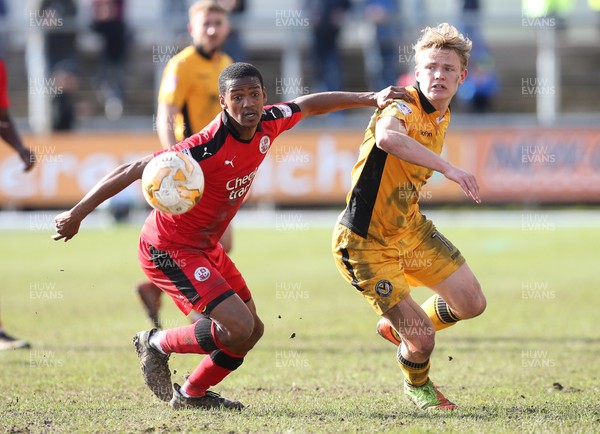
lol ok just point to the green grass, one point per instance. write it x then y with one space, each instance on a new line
74 303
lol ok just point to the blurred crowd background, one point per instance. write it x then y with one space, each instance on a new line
108 56
526 121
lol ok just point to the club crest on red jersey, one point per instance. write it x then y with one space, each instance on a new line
264 145
201 274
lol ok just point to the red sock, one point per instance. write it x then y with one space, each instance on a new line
197 338
181 340
211 371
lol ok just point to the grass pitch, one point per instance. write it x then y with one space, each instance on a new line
529 364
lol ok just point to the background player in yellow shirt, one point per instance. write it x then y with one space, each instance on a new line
189 99
382 244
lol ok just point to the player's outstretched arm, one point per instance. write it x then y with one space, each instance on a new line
67 223
391 137
327 102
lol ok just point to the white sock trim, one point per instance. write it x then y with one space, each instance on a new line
155 341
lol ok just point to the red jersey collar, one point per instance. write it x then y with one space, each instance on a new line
229 125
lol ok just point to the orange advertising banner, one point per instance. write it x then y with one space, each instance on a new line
541 165
530 165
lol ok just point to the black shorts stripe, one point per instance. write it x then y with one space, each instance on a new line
165 263
346 261
358 213
226 361
211 305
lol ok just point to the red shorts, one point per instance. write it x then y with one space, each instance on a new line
195 279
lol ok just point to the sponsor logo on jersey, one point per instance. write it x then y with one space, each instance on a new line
239 186
404 108
264 145
383 288
201 274
285 110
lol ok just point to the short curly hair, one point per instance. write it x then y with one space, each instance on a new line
235 71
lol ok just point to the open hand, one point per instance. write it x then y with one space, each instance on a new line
466 181
386 96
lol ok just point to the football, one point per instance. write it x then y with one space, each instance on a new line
173 182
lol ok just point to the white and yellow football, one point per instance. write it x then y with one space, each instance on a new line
173 182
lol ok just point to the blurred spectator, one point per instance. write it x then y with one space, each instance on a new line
173 19
470 18
481 84
57 19
482 81
3 25
234 45
381 57
109 22
326 18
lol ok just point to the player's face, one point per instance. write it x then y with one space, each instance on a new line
439 74
244 100
209 30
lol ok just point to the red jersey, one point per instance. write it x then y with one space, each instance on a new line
4 101
229 165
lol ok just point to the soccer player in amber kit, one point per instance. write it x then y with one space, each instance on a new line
181 253
381 230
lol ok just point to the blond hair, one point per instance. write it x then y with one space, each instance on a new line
206 6
445 37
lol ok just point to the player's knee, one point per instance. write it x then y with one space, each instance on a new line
477 302
427 345
259 329
480 304
257 333
238 331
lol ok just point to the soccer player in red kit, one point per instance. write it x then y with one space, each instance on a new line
8 131
9 134
181 253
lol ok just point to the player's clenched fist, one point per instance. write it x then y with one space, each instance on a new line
66 226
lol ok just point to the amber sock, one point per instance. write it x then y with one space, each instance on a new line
439 312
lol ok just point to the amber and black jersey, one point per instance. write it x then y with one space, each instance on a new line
383 201
190 82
